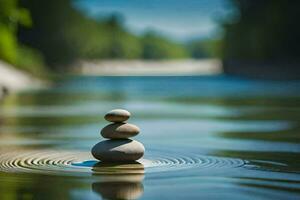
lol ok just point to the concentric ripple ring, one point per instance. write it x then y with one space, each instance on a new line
74 163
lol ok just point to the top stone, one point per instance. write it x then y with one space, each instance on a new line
117 115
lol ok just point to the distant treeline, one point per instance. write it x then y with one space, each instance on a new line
263 30
262 39
35 33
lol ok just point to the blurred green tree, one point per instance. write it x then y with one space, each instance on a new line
263 30
52 22
157 47
11 15
205 48
63 34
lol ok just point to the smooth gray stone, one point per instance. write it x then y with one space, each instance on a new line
117 115
119 172
118 190
119 131
124 150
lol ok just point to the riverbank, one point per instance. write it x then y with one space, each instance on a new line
148 67
13 80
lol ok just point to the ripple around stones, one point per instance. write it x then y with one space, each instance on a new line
119 131
124 150
117 115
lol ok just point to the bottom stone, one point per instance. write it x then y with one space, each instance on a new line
123 150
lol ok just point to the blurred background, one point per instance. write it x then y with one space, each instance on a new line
242 37
213 85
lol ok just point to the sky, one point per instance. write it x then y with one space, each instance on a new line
178 19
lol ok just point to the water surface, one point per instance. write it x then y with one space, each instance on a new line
210 137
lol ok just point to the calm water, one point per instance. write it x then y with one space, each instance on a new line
210 137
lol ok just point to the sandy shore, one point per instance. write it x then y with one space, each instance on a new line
148 68
12 80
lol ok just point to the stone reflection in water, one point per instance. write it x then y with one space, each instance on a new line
118 180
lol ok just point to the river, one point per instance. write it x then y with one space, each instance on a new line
206 137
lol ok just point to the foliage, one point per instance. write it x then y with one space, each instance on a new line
10 17
107 39
25 58
263 30
59 34
210 48
64 34
156 47
31 60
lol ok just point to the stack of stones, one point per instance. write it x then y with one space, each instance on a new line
118 148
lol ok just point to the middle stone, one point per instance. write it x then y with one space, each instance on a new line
119 131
